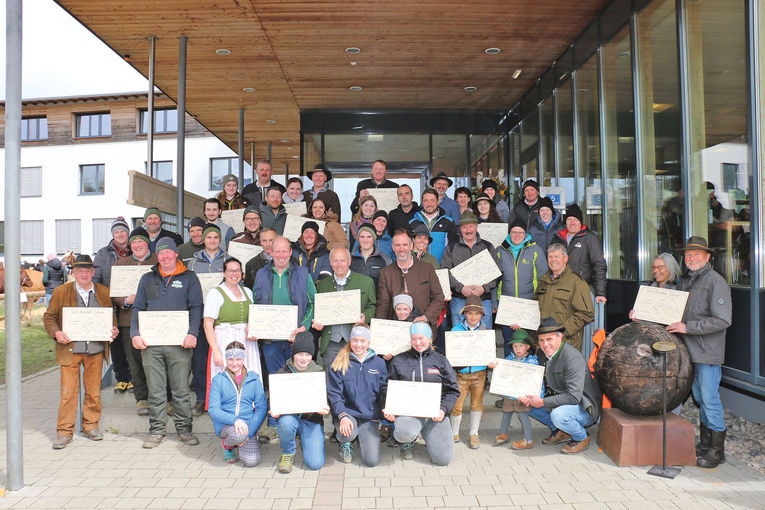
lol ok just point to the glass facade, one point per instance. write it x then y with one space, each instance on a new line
564 129
589 186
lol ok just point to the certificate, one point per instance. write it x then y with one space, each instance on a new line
163 328
407 398
275 322
209 281
443 279
342 307
663 306
85 324
479 269
516 379
233 218
124 281
386 198
471 348
295 208
513 310
304 392
495 233
243 252
294 223
390 337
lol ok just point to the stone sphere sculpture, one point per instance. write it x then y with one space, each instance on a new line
629 372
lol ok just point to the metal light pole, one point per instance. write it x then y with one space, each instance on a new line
664 348
181 135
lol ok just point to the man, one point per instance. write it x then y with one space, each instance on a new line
252 224
212 212
420 241
168 286
440 226
378 180
118 248
565 296
468 245
70 355
255 192
282 282
707 316
409 276
310 251
140 256
441 183
194 244
333 338
403 214
320 176
573 401
230 198
294 193
152 222
259 261
527 209
272 213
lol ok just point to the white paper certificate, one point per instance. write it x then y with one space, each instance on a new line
243 252
479 269
84 324
275 322
233 218
495 233
124 281
407 398
342 307
294 223
513 310
163 328
297 393
295 208
664 306
387 198
516 379
209 281
443 279
390 337
471 348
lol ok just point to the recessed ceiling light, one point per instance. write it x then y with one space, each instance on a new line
358 127
271 121
517 73
355 88
284 140
471 89
353 50
223 51
354 63
492 51
248 89
295 157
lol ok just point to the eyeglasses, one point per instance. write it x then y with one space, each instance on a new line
658 267
517 232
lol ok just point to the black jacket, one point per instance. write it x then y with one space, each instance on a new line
410 365
366 184
251 192
164 233
371 266
525 213
56 274
585 257
397 218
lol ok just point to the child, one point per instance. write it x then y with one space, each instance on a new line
470 379
521 347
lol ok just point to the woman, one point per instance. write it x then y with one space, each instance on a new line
544 226
485 209
365 214
366 258
384 240
230 198
356 388
333 230
225 319
237 407
422 363
464 199
490 188
666 271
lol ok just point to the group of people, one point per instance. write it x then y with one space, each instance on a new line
391 258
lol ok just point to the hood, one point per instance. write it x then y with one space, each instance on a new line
54 264
330 216
562 233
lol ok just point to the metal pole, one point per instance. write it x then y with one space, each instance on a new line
240 147
13 420
252 161
181 140
150 111
268 156
664 411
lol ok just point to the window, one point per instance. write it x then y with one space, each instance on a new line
165 121
67 236
219 167
161 170
102 232
91 179
34 128
93 124
31 181
31 237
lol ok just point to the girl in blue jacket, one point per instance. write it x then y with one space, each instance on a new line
237 407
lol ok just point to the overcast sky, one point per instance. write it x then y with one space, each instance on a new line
60 57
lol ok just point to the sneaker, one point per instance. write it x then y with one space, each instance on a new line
385 432
267 434
198 409
130 387
121 387
501 439
153 440
229 455
346 452
406 451
61 441
170 410
522 444
557 436
499 403
93 434
285 464
143 408
576 446
474 443
188 439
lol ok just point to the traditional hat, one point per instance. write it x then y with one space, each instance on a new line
440 176
472 304
697 243
549 325
467 218
83 261
320 168
520 336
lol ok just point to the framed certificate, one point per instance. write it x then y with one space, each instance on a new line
407 398
471 348
342 307
233 218
86 324
390 337
209 281
163 328
304 392
513 310
663 306
293 224
124 280
274 322
516 379
479 269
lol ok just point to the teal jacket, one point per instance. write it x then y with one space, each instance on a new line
520 275
355 281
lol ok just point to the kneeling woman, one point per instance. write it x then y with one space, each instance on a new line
237 407
356 389
422 363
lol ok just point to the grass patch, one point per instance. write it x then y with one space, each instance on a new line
38 350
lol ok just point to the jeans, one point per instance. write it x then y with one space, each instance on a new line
311 439
457 303
199 366
706 391
368 433
437 435
571 419
276 354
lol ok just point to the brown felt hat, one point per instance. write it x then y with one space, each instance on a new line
697 243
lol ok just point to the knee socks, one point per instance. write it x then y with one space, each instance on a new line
475 421
455 421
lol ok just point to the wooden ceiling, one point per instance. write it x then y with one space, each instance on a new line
414 54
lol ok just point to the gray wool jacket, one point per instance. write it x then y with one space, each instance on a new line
708 314
566 374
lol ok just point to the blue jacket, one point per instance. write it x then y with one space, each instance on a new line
544 234
201 263
443 231
227 404
298 288
463 326
360 392
385 245
450 207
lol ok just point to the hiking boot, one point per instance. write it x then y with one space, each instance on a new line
130 387
170 410
705 440
229 455
501 439
557 436
285 464
61 441
188 439
121 387
198 409
267 434
406 451
93 434
385 432
143 408
576 446
716 453
346 452
522 444
474 443
153 440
